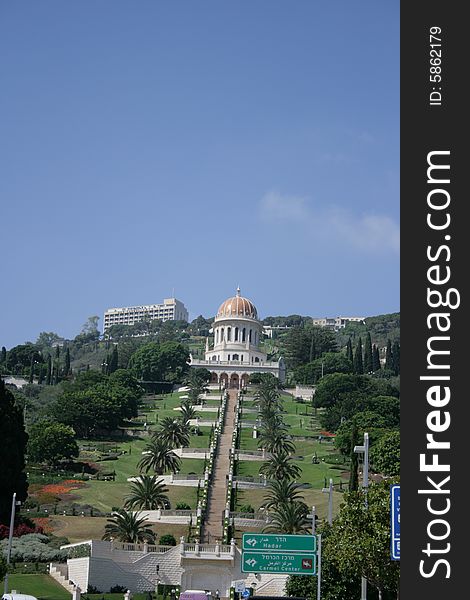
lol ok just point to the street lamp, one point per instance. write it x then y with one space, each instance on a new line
157 581
329 490
364 449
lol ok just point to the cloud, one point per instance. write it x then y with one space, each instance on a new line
284 208
336 225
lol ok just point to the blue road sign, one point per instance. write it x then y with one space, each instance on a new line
395 522
246 594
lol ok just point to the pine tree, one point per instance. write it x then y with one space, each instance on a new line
396 358
12 450
358 364
389 357
368 359
49 370
349 351
354 475
375 358
113 361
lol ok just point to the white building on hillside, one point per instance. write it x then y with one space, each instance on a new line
171 310
336 323
235 354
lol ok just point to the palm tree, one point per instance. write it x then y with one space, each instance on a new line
281 492
280 466
174 432
147 493
159 457
127 527
290 517
187 412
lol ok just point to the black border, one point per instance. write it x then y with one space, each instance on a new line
426 128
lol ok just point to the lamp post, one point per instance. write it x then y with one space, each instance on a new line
14 503
364 449
157 581
329 490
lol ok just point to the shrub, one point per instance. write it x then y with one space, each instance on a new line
183 506
33 547
117 589
247 508
168 540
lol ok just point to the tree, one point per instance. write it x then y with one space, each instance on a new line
389 357
304 344
174 432
331 362
19 358
12 450
280 466
51 443
290 517
354 469
359 544
46 339
113 361
385 454
128 527
349 351
376 366
159 457
160 362
3 356
3 567
67 362
358 364
147 493
281 492
368 358
335 585
49 370
343 395
396 358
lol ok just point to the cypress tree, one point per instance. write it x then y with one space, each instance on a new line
368 359
49 370
57 365
31 369
113 361
41 375
354 475
67 362
376 358
358 364
3 355
12 450
389 357
349 351
396 358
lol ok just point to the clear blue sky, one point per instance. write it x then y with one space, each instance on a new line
196 146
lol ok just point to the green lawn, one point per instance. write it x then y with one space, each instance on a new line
41 586
44 587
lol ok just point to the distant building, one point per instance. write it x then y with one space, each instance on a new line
336 323
171 310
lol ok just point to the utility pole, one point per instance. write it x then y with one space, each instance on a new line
10 539
364 449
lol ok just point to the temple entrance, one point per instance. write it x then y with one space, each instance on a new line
234 381
224 380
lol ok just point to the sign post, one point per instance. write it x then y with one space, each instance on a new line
277 553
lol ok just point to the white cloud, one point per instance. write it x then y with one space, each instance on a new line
285 208
337 226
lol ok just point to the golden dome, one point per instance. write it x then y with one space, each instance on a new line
237 306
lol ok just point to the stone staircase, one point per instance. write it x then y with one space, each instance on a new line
213 525
59 572
273 587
